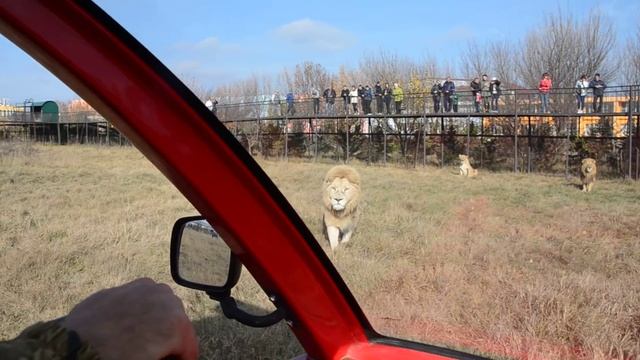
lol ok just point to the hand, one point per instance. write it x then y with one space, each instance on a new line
138 320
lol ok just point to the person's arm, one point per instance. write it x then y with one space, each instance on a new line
47 340
138 320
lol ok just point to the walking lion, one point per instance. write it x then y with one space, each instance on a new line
588 174
340 198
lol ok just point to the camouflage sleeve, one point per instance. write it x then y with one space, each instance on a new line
48 341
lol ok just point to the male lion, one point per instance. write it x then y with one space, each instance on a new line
465 167
340 197
588 174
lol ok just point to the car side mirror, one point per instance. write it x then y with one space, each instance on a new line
201 260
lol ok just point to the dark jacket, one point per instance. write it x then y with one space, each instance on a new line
47 340
329 96
344 94
367 94
361 92
598 87
494 88
387 92
378 90
475 88
448 88
436 90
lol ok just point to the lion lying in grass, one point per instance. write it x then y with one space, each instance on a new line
340 198
465 167
588 174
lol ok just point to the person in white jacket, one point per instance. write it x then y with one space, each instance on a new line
353 94
582 86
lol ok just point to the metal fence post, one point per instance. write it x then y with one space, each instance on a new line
515 134
315 131
529 145
286 138
424 140
384 144
415 155
630 130
369 142
258 138
441 141
566 163
637 163
468 134
481 139
346 161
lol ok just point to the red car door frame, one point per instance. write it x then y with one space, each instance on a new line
100 61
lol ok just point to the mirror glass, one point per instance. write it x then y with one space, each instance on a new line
204 256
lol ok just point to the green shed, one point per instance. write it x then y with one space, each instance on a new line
45 111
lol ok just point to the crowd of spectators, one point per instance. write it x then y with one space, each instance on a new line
379 99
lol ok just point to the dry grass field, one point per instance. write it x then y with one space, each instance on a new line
506 265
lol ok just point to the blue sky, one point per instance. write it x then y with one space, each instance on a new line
220 41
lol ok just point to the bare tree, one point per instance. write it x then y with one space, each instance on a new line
386 67
195 86
308 76
597 45
566 49
503 62
475 60
631 56
429 68
286 80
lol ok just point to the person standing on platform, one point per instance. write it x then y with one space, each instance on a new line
329 96
448 89
543 88
398 97
387 94
598 86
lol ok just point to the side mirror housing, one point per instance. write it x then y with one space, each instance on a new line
201 260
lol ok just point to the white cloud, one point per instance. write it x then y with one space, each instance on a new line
209 45
314 35
202 74
186 66
459 33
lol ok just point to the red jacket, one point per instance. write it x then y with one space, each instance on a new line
545 85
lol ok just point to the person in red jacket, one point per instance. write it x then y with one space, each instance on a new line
544 87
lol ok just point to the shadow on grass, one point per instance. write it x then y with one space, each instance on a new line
573 185
222 338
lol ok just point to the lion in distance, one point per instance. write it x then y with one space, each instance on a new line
465 167
340 198
588 174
